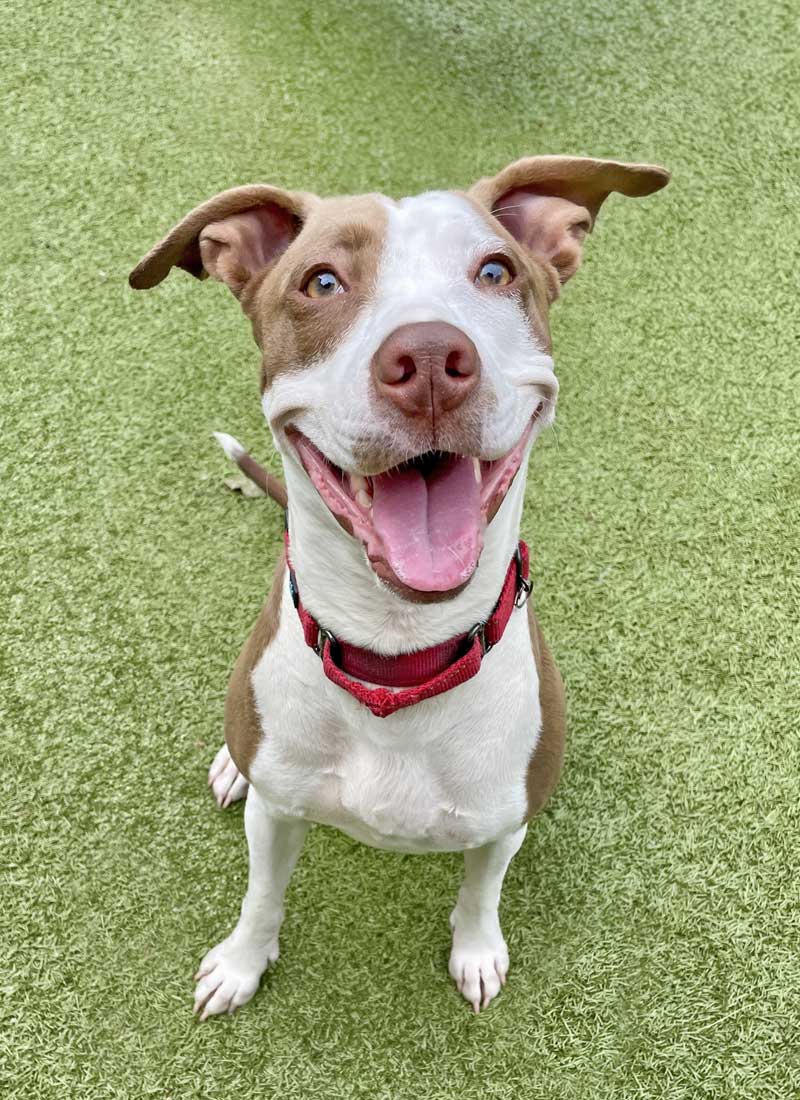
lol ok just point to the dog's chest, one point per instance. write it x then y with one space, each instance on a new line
383 797
446 774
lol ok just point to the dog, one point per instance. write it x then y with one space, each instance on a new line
397 684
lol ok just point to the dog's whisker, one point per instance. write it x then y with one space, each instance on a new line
510 206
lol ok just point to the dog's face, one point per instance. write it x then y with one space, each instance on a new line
406 364
406 367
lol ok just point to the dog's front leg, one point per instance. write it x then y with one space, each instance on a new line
229 974
479 958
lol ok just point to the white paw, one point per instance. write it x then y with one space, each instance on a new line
479 959
229 975
225 780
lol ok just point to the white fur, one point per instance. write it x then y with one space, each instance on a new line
450 772
225 780
479 956
232 447
229 974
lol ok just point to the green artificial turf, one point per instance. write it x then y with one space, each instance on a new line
652 914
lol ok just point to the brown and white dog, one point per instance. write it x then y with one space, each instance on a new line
406 372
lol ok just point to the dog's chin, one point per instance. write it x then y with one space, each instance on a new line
421 523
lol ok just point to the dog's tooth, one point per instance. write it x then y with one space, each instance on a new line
364 499
476 465
357 483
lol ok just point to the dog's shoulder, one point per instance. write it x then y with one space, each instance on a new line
546 762
242 723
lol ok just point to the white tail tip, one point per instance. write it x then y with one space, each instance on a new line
232 447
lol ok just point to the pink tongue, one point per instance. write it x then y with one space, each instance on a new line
431 528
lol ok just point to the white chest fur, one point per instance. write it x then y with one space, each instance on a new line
446 774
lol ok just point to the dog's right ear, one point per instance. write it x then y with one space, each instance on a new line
232 237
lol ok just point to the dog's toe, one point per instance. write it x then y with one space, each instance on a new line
228 977
479 976
478 963
225 780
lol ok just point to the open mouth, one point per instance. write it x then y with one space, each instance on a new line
422 522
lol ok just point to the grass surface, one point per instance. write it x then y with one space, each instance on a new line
652 914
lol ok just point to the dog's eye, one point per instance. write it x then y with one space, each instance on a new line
322 284
494 273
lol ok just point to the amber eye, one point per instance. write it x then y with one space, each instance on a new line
494 273
322 284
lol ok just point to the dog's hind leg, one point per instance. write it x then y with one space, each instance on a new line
230 973
479 958
225 780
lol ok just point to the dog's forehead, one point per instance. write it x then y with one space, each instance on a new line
438 223
444 226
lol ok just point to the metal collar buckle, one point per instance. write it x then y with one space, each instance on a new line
524 586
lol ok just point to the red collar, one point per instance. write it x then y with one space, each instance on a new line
423 673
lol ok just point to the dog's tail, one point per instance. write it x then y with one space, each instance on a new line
267 483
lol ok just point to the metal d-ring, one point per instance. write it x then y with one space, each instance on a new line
524 589
323 636
478 631
293 590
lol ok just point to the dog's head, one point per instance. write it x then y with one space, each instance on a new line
406 364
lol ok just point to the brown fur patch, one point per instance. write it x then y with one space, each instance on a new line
544 767
292 330
242 722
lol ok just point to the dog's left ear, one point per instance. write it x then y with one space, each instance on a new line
549 204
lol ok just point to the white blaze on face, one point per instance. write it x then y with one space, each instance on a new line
434 244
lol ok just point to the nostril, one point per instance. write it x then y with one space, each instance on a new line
453 365
407 367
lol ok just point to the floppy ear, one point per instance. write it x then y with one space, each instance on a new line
230 237
549 204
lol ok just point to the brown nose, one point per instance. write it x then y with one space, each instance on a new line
427 368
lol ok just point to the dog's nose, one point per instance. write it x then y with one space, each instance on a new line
426 369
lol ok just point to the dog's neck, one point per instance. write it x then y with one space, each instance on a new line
340 590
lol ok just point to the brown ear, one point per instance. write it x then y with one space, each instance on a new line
230 237
549 204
